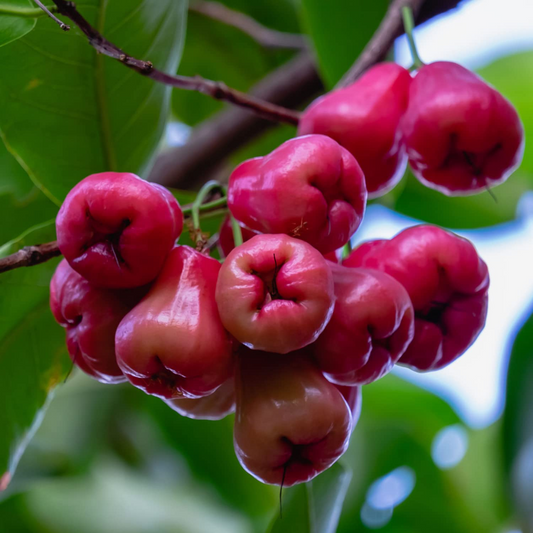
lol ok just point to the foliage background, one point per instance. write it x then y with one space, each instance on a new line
111 459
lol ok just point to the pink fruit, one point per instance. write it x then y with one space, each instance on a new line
116 229
309 187
173 344
364 118
462 135
275 293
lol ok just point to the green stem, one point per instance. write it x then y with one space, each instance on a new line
409 25
237 232
346 250
198 203
26 12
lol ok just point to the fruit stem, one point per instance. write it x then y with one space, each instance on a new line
346 250
409 25
237 233
207 189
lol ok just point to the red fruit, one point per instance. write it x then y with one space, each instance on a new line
225 236
370 329
447 283
291 423
216 406
364 118
275 293
116 229
91 317
172 344
462 135
354 399
309 187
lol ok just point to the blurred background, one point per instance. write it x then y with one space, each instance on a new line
447 452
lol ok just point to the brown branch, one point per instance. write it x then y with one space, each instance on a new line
390 28
381 41
291 85
217 90
266 37
30 256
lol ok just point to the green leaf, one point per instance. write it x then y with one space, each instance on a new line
398 425
340 29
32 352
315 507
462 212
517 426
66 111
17 18
207 447
22 204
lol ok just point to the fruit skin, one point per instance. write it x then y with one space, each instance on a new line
173 344
91 316
447 282
309 187
462 136
216 406
364 118
225 236
354 399
288 417
275 293
370 329
116 229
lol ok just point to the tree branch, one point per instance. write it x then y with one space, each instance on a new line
50 13
390 28
217 90
30 256
266 37
291 85
381 41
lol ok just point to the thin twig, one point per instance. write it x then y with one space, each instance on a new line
217 90
40 253
381 41
266 37
293 84
30 256
62 25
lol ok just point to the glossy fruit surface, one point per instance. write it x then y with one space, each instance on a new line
116 229
216 406
291 423
370 329
364 118
275 293
309 187
354 398
91 316
447 282
462 136
173 344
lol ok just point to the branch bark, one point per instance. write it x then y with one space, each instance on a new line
381 41
30 256
217 90
212 141
266 37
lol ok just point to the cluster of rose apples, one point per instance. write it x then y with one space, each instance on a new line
284 331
